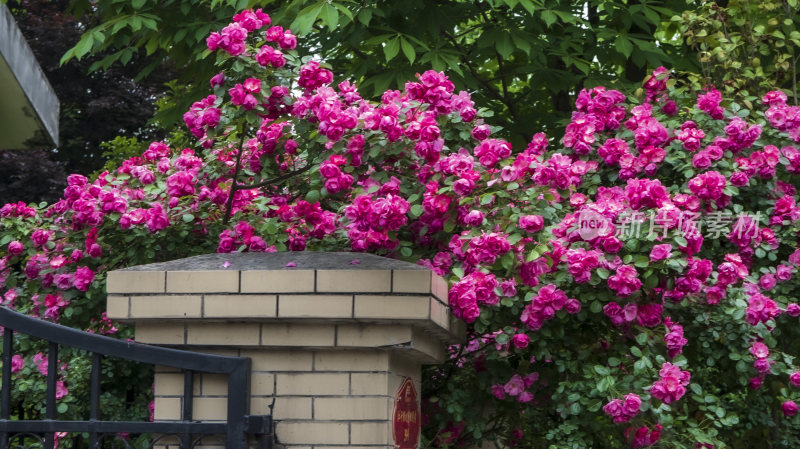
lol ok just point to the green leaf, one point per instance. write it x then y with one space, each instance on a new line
602 370
137 4
330 16
83 46
365 16
504 46
312 196
69 54
549 17
732 419
98 36
528 5
391 49
120 24
136 23
416 210
126 56
306 17
150 23
638 366
152 45
188 218
62 408
343 9
623 45
408 50
521 42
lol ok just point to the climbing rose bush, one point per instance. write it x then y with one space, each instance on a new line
627 284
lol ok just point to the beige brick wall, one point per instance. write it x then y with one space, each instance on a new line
343 295
328 348
341 397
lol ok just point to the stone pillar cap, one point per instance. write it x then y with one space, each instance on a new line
350 290
303 260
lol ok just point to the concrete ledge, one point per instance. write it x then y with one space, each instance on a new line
317 288
312 272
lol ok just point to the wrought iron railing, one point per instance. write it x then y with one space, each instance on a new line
236 431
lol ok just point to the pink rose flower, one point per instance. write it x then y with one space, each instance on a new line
515 385
789 408
672 384
660 252
498 391
520 340
794 378
15 248
531 223
217 80
759 350
525 396
767 281
17 363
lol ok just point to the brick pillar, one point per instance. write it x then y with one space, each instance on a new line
331 337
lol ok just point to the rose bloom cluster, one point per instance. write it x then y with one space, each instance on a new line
625 409
671 385
418 175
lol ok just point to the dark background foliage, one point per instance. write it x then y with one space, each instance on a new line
95 107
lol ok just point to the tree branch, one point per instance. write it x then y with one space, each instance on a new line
489 88
234 186
502 73
273 181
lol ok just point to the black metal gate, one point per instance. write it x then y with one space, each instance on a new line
185 433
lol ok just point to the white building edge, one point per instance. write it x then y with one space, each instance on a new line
29 108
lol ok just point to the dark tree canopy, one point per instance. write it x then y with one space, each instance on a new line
30 176
524 59
96 106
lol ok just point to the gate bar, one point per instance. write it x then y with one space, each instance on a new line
94 412
5 401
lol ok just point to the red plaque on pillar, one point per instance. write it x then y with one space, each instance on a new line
406 419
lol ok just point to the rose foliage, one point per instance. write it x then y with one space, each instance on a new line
630 284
